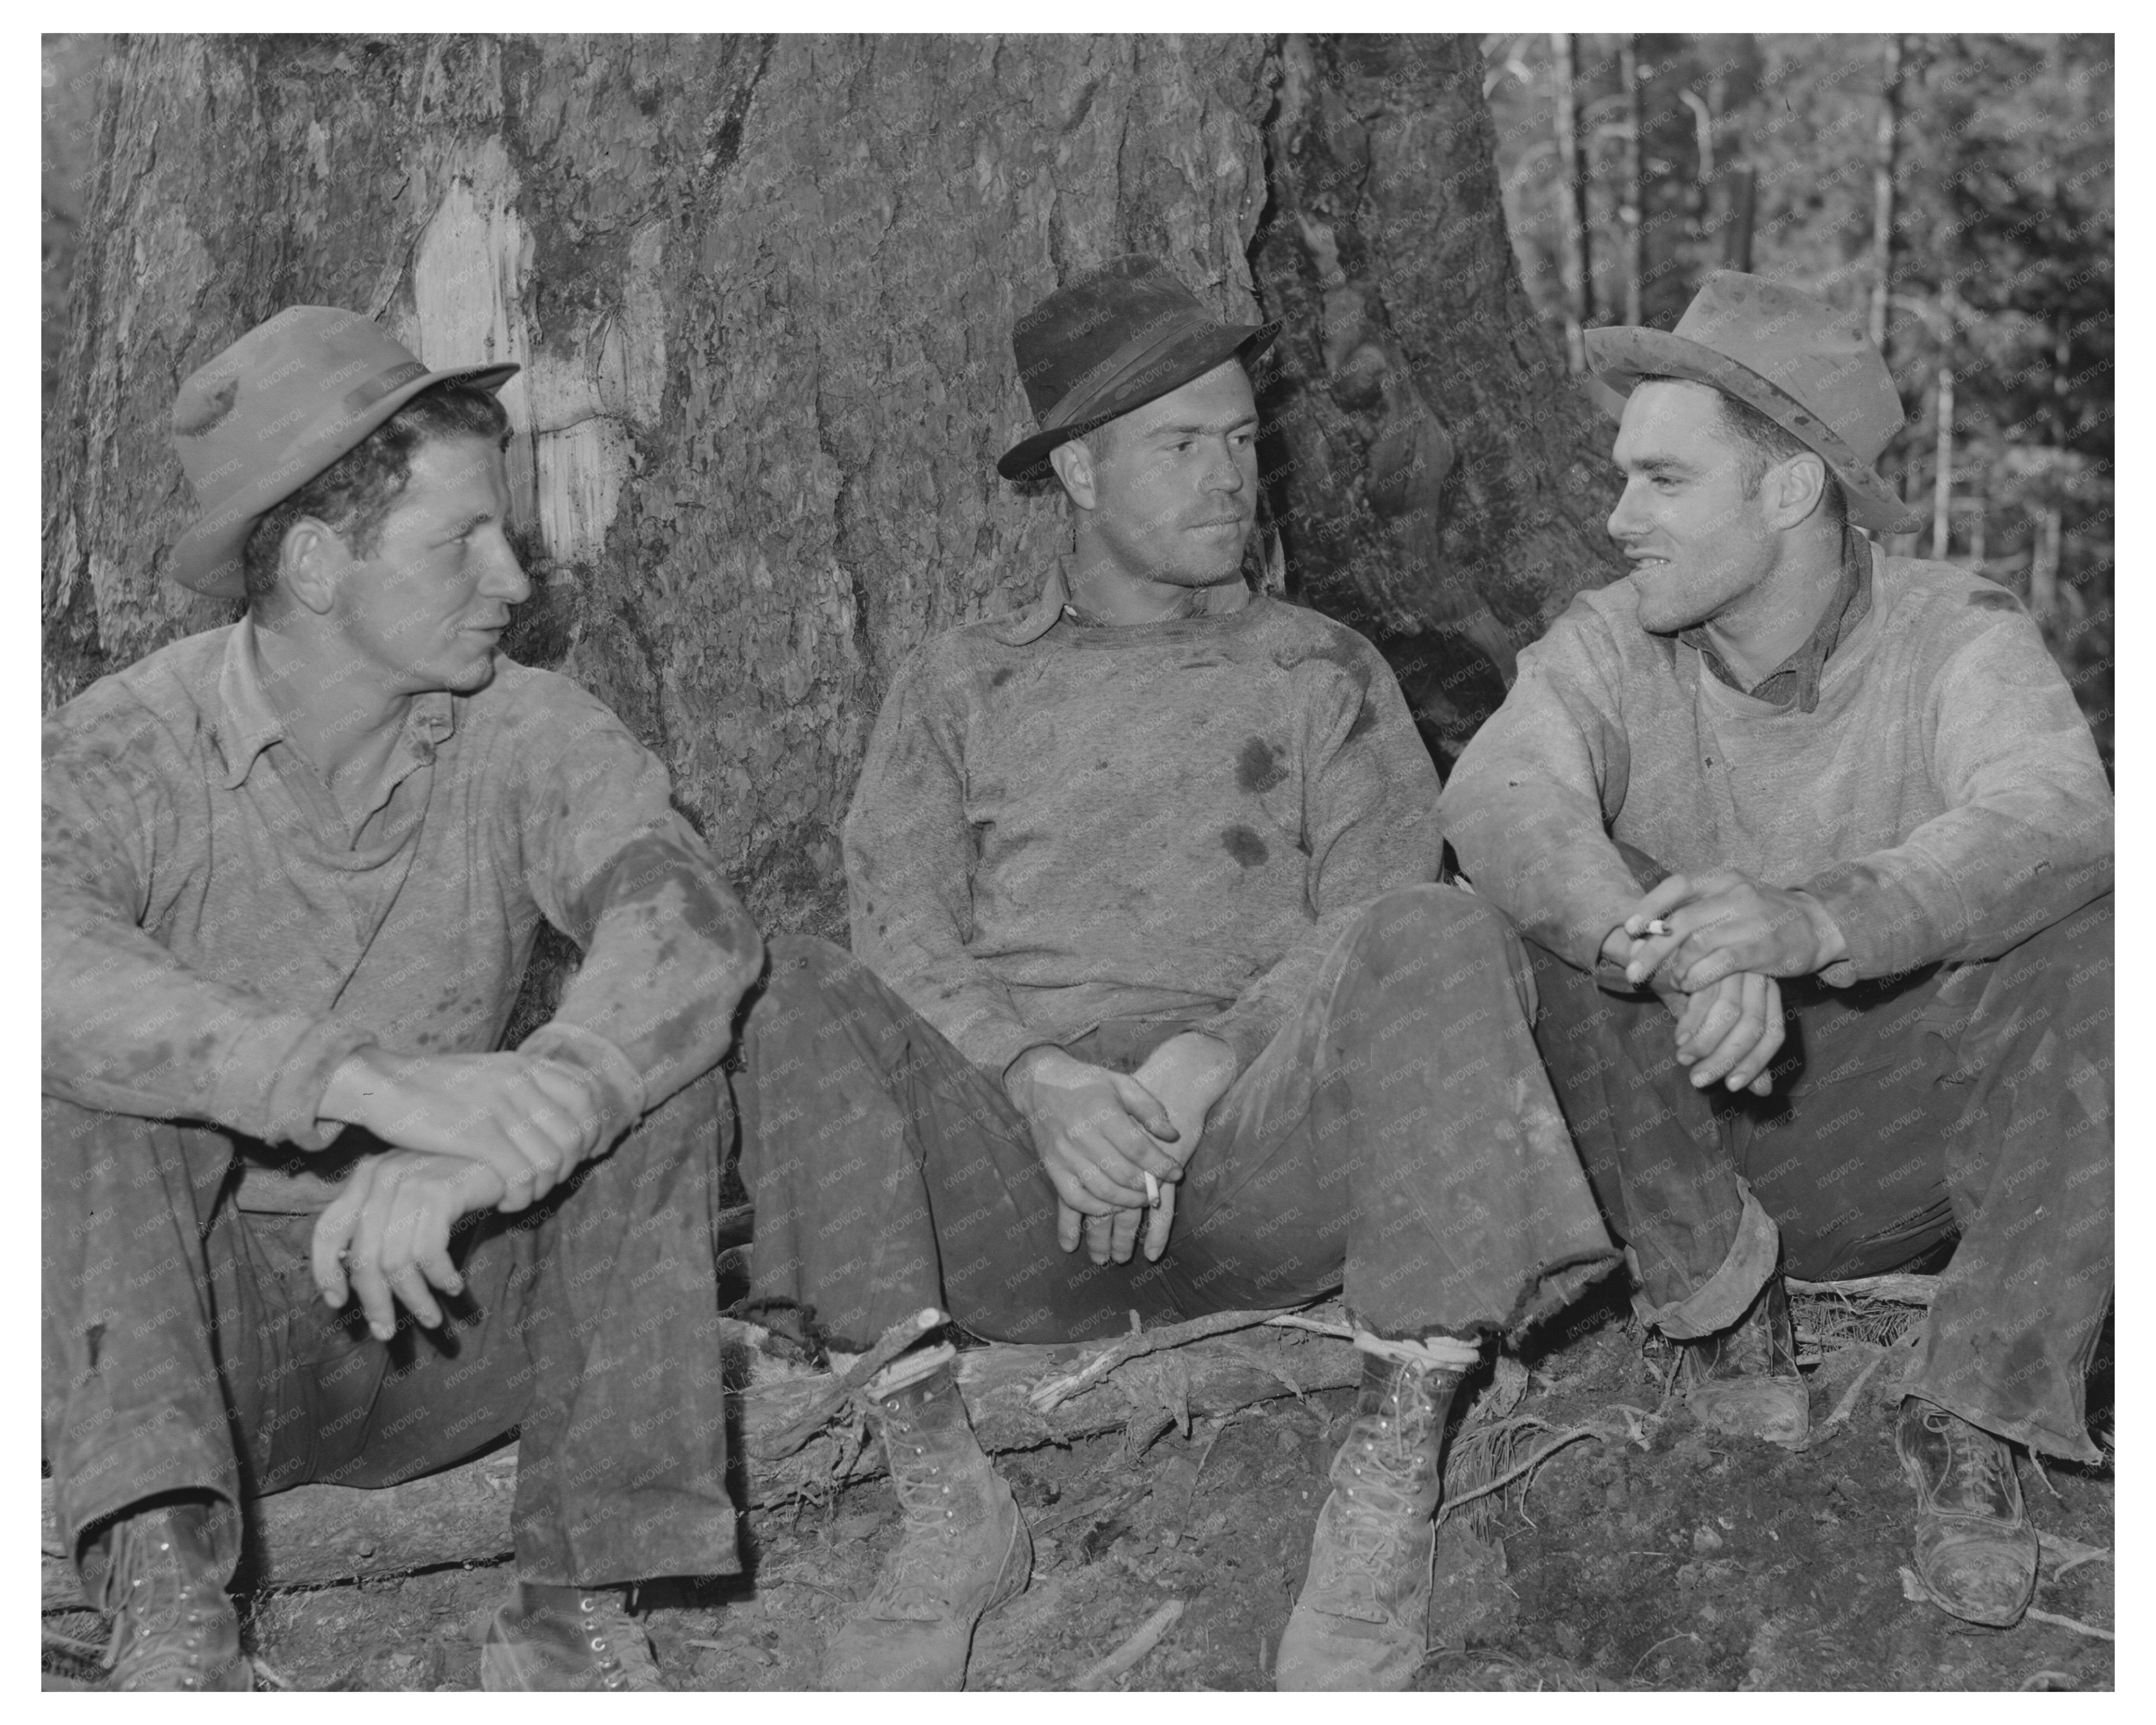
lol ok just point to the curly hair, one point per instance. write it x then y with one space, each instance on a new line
353 495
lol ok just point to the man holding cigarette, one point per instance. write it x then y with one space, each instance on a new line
1148 956
1838 813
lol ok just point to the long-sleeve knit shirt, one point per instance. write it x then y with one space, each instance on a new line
1944 801
218 937
1059 824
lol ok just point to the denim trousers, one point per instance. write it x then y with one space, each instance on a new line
185 1348
1971 1101
1397 1137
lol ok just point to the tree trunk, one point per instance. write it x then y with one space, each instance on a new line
1572 184
762 288
1882 190
1423 507
1942 458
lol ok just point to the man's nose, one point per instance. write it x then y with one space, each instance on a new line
1224 472
504 578
1625 519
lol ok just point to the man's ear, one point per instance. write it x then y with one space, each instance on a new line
308 564
1073 462
1795 489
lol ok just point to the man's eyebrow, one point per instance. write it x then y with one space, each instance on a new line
1656 465
457 529
1197 428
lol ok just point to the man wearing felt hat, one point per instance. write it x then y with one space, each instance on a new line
1839 813
294 869
1147 957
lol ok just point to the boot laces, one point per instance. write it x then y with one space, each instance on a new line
160 1615
1374 1510
598 1614
913 1578
1976 1467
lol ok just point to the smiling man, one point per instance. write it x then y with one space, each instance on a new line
294 869
1146 958
1839 813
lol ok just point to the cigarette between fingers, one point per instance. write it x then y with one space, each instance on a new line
1152 1190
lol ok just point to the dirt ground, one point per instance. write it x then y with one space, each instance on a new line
1644 1556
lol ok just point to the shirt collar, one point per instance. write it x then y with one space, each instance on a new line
1046 612
1795 683
246 722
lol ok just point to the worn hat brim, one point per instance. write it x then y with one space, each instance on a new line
1621 355
1028 458
210 556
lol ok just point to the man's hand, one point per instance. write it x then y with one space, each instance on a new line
530 1120
1099 1134
1729 1030
387 1234
1188 1073
1721 922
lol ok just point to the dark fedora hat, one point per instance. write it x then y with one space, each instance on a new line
272 411
1115 340
1810 368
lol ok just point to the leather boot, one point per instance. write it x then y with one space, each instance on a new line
1976 1553
964 1550
173 1627
1363 1619
567 1638
1743 1381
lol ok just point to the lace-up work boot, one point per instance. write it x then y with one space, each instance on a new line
964 1550
1976 1553
1363 1619
173 1626
567 1638
1743 1381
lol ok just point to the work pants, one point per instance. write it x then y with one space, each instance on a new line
1972 1099
1397 1135
185 1348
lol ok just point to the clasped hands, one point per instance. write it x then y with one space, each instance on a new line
1099 1133
467 1133
1728 937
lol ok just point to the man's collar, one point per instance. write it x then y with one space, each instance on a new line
247 722
1045 613
1794 683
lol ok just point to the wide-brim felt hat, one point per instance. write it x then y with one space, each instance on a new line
1810 368
274 410
1114 340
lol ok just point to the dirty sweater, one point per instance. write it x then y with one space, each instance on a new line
217 939
1944 800
1059 824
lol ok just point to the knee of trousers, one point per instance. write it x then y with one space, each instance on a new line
1445 936
798 967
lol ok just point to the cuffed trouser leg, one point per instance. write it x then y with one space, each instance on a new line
2028 1164
1397 1134
1975 1099
591 1321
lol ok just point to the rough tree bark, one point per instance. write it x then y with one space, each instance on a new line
1440 480
763 288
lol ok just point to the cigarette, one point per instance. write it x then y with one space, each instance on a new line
1657 926
1153 1191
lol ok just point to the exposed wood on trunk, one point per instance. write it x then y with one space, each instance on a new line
320 1533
